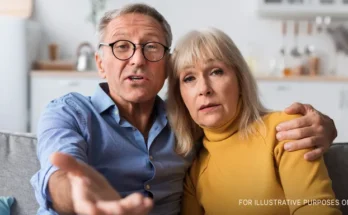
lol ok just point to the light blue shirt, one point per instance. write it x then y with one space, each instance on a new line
91 130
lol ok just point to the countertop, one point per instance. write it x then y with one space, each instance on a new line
304 78
67 73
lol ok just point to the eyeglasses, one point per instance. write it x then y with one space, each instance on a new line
125 49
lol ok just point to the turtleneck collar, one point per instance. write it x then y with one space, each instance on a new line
223 132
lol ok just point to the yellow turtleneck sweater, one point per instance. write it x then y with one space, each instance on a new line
232 175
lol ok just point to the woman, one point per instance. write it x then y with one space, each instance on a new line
241 167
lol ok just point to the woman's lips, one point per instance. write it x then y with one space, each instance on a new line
208 108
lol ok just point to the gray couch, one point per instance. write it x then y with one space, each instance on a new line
18 163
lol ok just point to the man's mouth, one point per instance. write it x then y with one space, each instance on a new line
135 78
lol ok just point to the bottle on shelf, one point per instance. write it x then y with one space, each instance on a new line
295 58
310 55
280 68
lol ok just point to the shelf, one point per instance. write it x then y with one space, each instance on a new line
286 10
73 74
53 73
304 78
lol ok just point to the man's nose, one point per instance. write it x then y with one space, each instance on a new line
138 58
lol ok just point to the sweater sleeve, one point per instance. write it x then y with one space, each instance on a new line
305 181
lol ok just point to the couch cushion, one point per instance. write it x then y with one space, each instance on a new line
336 160
5 205
18 162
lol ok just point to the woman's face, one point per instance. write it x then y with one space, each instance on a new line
210 92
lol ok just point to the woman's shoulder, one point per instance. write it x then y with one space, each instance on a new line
271 120
267 129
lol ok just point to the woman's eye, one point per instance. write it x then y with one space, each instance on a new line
188 79
217 72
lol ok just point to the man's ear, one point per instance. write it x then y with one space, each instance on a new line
99 63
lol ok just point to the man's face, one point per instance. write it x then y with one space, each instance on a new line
135 80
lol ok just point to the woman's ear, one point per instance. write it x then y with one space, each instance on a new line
99 63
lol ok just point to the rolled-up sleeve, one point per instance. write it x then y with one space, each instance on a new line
60 129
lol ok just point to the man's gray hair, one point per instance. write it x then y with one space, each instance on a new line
134 8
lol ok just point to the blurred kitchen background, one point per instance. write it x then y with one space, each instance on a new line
296 49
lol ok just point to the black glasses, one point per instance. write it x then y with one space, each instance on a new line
125 49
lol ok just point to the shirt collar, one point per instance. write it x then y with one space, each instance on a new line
101 99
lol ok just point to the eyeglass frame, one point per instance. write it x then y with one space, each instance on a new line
166 49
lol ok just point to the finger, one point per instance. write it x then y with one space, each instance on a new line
132 201
148 203
132 204
66 163
136 204
314 154
110 207
296 134
129 205
84 207
305 143
83 204
300 122
91 209
296 108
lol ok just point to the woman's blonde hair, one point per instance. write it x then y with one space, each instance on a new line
201 46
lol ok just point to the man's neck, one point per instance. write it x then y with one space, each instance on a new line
140 115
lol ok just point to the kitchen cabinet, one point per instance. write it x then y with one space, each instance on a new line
46 86
305 9
329 97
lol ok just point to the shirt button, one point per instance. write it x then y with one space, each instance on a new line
134 129
147 187
151 158
116 112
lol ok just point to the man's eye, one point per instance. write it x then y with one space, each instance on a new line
189 79
217 72
122 47
151 47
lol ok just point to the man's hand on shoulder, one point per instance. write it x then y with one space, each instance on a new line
312 130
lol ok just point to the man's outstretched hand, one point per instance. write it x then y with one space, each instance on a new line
92 194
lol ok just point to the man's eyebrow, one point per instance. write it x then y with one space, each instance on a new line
152 34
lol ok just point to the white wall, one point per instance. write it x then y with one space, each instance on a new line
64 22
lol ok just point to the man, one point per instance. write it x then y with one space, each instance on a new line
122 132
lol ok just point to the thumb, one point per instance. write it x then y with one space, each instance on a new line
66 163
